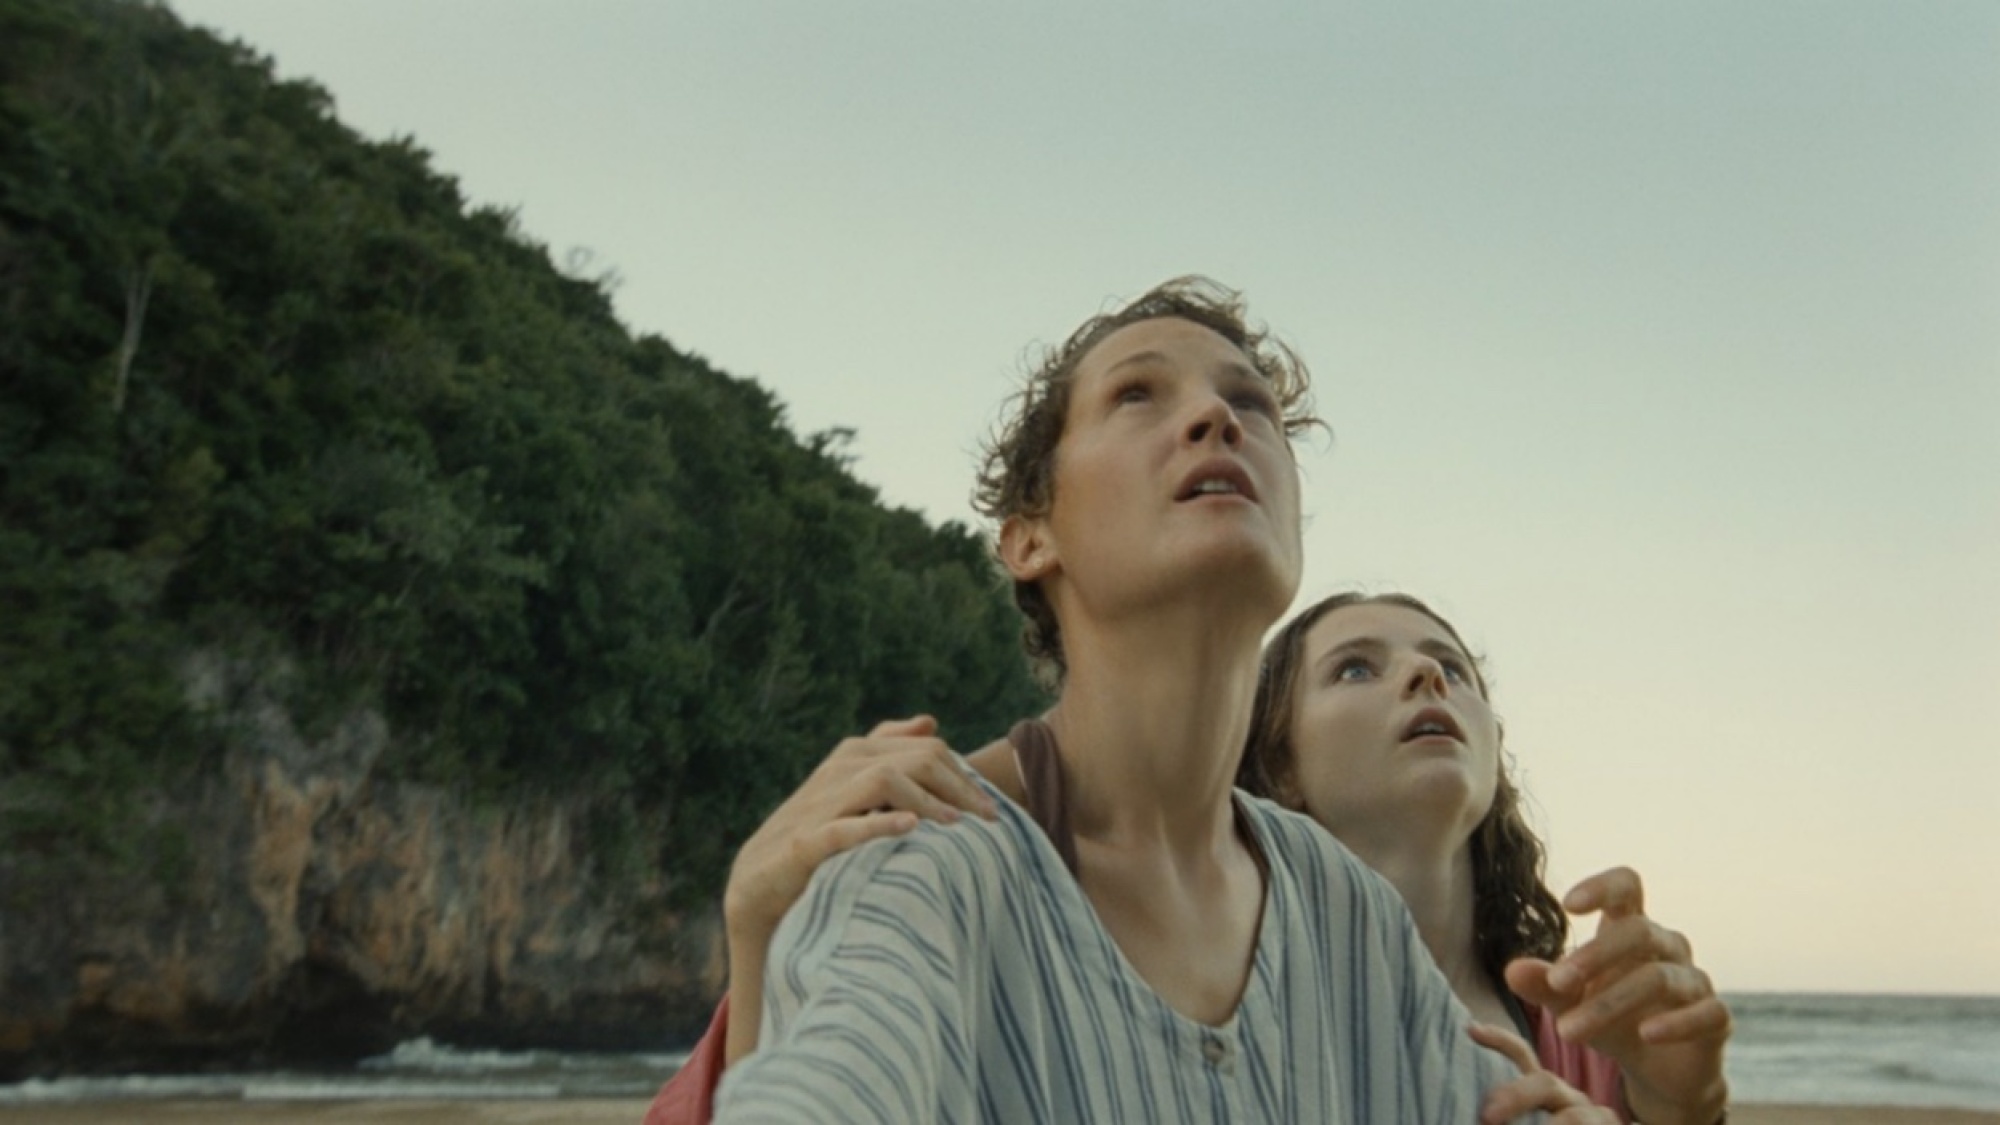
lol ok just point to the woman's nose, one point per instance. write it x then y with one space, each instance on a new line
1425 674
1215 420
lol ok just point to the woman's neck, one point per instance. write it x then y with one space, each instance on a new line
1151 726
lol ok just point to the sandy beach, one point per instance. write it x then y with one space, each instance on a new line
621 1112
1855 1115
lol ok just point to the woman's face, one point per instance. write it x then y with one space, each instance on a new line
1391 727
1174 471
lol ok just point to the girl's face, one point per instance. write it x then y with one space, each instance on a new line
1174 474
1391 727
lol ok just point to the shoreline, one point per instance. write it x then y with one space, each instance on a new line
627 1111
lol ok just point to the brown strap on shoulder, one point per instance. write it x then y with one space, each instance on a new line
1041 774
1042 777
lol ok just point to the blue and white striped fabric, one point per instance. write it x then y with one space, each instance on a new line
958 974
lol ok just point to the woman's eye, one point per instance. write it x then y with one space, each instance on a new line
1353 670
1255 402
1132 392
1456 673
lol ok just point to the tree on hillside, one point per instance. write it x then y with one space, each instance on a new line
276 391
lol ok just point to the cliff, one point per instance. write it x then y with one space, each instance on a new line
323 913
509 623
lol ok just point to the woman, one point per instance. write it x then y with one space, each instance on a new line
1138 942
1373 718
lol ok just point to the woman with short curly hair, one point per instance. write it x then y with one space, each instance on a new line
1127 938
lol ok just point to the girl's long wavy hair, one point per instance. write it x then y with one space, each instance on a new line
1514 912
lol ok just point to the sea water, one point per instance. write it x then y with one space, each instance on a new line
420 1068
1806 1049
1819 1049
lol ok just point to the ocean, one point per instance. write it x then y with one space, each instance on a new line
1819 1049
1802 1049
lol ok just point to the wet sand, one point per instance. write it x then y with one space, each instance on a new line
624 1112
1856 1115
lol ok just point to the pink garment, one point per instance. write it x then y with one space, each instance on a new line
688 1098
1592 1073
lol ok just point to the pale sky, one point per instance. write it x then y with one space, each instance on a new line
1661 345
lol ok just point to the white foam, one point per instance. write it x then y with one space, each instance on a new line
375 1089
121 1088
424 1054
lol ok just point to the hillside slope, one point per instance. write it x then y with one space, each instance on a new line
389 641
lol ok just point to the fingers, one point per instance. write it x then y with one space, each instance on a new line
1542 1091
811 849
916 726
1620 942
1633 987
1625 931
865 789
1528 978
1654 988
1707 1018
1535 1089
1615 892
925 786
771 873
926 778
1634 992
1586 1114
1514 1047
1619 948
864 774
946 776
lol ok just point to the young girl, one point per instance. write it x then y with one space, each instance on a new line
1373 718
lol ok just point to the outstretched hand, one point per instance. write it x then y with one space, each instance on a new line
1535 1089
1633 992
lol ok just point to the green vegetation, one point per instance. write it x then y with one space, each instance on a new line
272 390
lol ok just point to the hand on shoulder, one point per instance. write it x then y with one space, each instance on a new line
877 785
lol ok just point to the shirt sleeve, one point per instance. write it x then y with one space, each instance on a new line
688 1098
1441 1035
1407 1053
865 997
1452 1073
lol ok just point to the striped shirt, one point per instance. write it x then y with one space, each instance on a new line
958 974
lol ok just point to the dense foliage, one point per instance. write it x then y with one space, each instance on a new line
271 390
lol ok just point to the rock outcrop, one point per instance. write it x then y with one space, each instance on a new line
322 913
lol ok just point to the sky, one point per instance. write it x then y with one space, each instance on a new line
1660 346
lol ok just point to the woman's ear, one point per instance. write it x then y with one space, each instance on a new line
1025 549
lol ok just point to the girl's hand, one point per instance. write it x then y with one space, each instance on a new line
1536 1089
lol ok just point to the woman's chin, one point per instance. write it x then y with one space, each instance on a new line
1252 564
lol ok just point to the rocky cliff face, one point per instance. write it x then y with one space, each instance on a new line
322 913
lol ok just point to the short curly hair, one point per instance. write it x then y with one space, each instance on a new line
1514 913
1017 468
